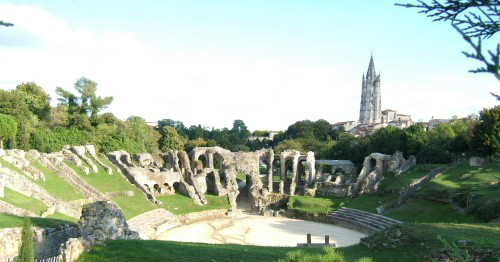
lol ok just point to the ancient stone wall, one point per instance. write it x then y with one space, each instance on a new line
47 240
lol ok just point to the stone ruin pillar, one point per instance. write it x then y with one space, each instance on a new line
270 171
210 159
232 186
295 165
282 173
310 163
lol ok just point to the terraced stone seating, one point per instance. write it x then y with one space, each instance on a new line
361 220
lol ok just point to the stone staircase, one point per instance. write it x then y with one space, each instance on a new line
361 220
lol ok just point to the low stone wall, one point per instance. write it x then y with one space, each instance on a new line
277 200
200 216
153 222
47 240
322 218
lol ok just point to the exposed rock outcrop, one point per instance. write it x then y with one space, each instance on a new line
101 221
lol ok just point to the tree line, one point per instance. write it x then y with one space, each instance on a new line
28 121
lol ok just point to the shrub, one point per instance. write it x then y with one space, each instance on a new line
487 210
46 140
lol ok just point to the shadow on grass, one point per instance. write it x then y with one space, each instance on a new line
8 220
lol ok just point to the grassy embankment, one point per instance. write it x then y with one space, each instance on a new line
423 208
423 240
130 205
55 185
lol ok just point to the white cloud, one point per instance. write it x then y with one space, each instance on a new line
201 88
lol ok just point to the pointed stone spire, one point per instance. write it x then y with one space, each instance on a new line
371 69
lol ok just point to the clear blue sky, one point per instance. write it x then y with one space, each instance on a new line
423 72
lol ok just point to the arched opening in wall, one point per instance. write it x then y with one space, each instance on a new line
373 165
204 161
223 179
276 174
301 172
179 189
264 165
288 174
339 171
157 189
168 189
211 184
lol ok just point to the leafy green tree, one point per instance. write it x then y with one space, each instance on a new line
349 147
170 139
239 133
386 140
36 98
415 138
322 130
12 103
136 129
304 129
27 249
198 142
87 104
289 144
8 128
486 133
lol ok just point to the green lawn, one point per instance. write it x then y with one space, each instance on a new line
12 167
422 241
462 178
130 205
425 211
63 217
19 200
7 220
395 183
154 250
465 177
321 205
180 204
55 185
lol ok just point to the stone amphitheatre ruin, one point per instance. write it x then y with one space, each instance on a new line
270 178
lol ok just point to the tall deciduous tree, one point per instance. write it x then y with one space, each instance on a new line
8 128
86 104
170 139
36 98
485 135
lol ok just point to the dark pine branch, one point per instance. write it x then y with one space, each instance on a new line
2 23
474 20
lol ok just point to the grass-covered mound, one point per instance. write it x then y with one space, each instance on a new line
421 240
